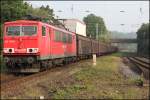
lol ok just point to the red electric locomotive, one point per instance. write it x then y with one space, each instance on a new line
30 46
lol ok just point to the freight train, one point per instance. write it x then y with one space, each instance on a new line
33 46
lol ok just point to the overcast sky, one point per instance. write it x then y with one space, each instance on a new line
135 12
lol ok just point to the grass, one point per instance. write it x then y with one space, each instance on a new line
92 77
102 81
2 65
71 90
123 54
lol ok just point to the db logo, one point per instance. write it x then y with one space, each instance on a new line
64 46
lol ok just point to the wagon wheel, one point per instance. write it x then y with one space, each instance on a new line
50 64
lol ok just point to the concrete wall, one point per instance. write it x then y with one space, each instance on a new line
71 25
80 29
76 26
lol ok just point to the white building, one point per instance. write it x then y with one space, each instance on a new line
76 26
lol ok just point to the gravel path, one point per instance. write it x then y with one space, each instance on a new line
128 71
15 87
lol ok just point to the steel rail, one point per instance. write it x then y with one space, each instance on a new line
140 62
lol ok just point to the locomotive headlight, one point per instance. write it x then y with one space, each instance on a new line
32 50
8 50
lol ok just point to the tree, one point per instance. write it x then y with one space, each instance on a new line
143 40
44 12
12 10
92 21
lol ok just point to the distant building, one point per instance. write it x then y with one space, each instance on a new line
76 26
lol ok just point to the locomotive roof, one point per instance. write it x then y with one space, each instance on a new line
21 21
36 22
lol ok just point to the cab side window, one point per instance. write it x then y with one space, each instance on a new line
57 36
69 38
43 31
64 39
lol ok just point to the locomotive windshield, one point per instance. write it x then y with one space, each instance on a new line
21 30
29 30
13 30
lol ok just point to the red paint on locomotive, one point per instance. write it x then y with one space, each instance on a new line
25 37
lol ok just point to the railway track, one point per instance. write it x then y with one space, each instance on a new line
14 86
3 81
143 64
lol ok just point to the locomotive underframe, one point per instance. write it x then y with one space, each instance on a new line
20 64
17 63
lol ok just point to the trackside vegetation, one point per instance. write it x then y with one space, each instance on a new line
143 39
103 81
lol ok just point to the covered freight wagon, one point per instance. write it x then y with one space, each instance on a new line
102 48
95 46
83 46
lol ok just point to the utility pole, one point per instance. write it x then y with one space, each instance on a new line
72 10
97 31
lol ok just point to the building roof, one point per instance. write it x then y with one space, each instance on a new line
77 21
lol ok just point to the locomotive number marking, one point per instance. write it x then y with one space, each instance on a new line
20 50
9 41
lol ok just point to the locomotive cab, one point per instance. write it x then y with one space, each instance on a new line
20 42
